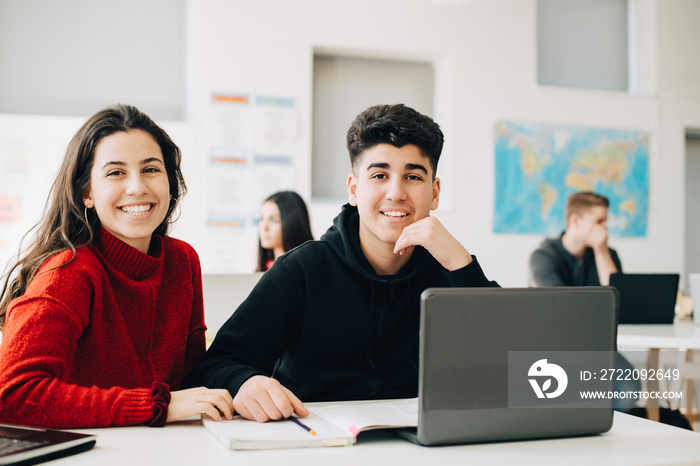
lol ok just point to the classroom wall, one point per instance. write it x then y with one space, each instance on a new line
484 53
70 57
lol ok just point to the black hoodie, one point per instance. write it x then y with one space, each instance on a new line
326 326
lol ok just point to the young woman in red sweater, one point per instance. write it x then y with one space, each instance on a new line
103 312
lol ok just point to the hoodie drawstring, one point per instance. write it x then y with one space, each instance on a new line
370 348
413 331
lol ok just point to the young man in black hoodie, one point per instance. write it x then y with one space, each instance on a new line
338 319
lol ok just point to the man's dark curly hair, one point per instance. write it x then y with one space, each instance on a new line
397 125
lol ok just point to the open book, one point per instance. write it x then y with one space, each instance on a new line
334 425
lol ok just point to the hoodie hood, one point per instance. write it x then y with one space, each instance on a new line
344 239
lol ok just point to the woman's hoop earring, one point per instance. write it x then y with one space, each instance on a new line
86 217
179 212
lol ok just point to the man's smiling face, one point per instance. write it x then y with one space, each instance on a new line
392 188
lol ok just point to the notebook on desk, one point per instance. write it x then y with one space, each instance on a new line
332 425
27 445
469 340
648 298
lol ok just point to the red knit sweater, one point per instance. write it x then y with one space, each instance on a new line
82 346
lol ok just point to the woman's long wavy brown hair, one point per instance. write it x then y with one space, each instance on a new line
63 224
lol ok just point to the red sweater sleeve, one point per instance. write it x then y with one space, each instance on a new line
196 341
38 348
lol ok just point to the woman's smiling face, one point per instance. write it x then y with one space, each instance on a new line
129 186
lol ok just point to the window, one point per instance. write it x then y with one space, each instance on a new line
344 87
583 43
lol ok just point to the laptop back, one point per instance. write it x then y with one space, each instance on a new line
646 298
468 336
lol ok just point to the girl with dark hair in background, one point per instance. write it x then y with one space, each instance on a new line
284 224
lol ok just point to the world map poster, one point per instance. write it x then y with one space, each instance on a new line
539 165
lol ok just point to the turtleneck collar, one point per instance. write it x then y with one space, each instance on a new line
126 259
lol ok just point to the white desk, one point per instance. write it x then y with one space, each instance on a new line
683 335
632 441
678 336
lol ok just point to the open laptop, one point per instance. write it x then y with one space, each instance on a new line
28 445
474 385
647 298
